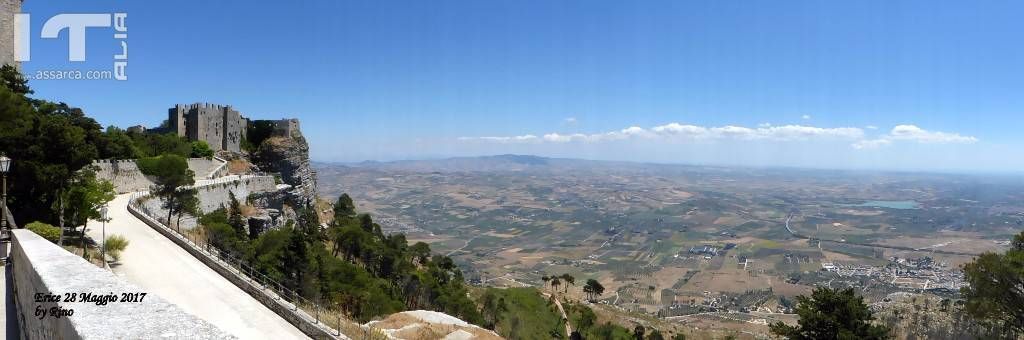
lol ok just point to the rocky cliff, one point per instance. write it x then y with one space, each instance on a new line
287 153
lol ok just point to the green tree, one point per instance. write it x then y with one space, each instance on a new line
655 335
187 202
118 144
679 337
593 288
200 149
235 218
49 143
420 252
638 332
832 314
344 207
569 280
170 173
995 291
14 80
83 201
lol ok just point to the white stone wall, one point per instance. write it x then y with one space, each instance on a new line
39 266
126 177
124 174
216 194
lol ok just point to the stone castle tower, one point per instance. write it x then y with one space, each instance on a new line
222 127
8 8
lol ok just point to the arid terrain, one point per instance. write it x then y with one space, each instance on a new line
721 248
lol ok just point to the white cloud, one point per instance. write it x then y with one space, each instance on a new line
871 127
571 121
512 139
688 132
912 133
870 144
806 117
677 131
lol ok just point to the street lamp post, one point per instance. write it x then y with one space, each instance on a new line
5 234
103 248
5 164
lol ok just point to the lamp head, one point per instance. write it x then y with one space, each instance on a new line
5 163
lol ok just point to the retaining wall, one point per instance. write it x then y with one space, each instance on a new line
41 267
215 194
126 176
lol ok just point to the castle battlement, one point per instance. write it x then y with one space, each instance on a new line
220 126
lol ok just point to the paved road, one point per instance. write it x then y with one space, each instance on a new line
157 264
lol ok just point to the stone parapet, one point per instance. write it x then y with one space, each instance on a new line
41 267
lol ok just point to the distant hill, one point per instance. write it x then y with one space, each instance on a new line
484 163
504 163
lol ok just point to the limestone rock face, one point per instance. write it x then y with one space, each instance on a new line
288 155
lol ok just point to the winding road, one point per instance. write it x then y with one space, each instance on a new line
165 269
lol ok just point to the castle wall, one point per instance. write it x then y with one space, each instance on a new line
124 174
7 10
234 126
219 126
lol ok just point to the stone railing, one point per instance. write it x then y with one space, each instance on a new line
221 170
309 318
42 272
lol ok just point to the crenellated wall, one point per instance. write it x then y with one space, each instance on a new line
220 126
41 267
126 176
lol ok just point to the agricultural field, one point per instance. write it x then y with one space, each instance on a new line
669 241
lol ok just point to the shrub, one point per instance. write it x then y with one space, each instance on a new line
47 231
115 244
148 165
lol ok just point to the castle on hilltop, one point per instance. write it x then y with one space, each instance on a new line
8 8
220 126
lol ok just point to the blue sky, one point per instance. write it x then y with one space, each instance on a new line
915 85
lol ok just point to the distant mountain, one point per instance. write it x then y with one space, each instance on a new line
462 164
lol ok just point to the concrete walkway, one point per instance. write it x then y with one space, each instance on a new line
157 264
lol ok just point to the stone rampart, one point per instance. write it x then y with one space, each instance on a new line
41 267
215 194
126 176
